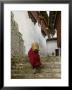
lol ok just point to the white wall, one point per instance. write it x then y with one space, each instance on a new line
29 31
51 46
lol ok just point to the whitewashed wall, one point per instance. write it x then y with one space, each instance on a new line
51 46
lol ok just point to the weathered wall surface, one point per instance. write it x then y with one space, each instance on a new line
17 43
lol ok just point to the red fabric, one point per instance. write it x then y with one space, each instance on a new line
34 58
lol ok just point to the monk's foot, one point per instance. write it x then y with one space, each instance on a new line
34 71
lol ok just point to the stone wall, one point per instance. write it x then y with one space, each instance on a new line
17 43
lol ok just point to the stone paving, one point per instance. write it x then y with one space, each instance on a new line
51 69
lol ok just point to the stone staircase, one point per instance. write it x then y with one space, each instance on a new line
51 69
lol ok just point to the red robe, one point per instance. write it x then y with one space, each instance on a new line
34 58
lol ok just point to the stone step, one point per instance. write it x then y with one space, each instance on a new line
43 76
28 64
51 70
45 67
51 58
51 62
31 71
49 75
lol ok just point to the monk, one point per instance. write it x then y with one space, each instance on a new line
34 57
